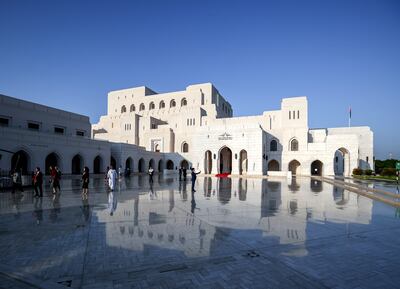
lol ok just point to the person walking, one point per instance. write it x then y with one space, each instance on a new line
85 181
54 179
151 172
38 183
112 177
16 181
194 176
58 172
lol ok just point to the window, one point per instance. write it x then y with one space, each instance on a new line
185 147
80 133
294 114
187 122
123 109
153 126
273 146
294 145
133 108
290 115
4 121
33 125
172 103
367 159
157 148
298 114
142 107
183 102
194 121
190 121
152 106
59 130
162 104
336 159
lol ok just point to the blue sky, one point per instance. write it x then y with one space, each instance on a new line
69 54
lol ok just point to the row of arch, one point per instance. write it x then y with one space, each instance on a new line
21 161
316 168
152 105
225 161
341 164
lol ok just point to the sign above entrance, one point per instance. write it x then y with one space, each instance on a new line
225 136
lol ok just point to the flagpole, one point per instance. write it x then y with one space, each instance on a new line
349 116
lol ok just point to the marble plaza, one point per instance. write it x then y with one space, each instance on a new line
230 233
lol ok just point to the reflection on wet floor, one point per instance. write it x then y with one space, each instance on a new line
141 224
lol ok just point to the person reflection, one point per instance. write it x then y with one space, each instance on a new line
193 203
112 202
184 192
56 208
152 194
16 199
85 207
38 212
242 189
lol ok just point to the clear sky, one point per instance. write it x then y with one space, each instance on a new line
69 54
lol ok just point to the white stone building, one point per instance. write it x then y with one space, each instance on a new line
194 127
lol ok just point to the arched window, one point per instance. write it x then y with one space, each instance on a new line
123 109
162 104
185 147
183 102
294 145
133 108
151 106
141 107
172 103
273 146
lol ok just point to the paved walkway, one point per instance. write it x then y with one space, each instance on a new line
230 233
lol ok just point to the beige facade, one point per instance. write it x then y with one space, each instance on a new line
197 125
193 128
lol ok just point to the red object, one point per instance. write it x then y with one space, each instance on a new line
224 175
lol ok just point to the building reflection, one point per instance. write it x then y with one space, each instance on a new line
169 223
242 189
224 190
316 185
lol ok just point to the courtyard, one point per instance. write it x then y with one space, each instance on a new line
230 233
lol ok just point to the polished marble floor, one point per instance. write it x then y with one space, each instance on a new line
230 233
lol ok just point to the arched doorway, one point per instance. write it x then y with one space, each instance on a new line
129 163
184 164
273 165
208 162
341 162
20 161
141 166
52 160
97 165
294 167
317 168
243 162
113 162
77 165
151 164
170 165
225 161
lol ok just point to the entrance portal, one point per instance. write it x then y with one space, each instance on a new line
20 161
97 165
317 168
243 162
341 162
225 161
77 164
293 167
51 161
